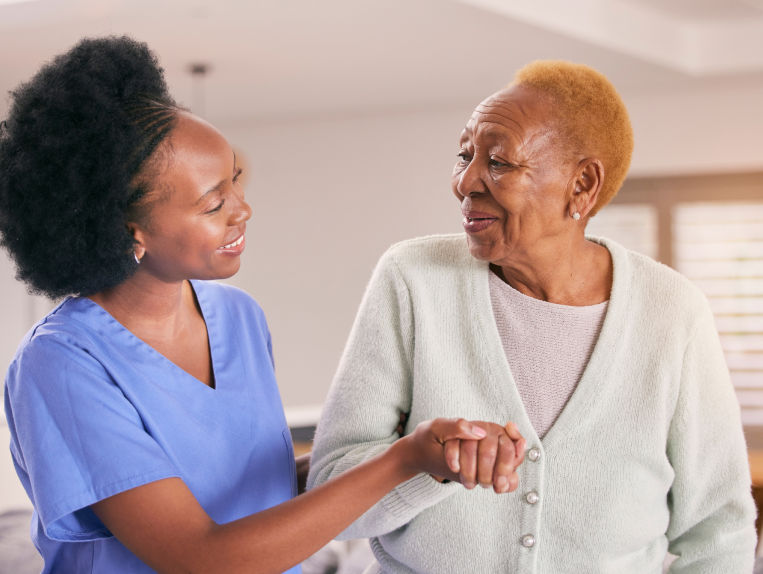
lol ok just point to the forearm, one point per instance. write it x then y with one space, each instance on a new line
717 549
163 524
397 508
283 536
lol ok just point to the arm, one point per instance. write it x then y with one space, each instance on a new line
712 512
373 384
164 525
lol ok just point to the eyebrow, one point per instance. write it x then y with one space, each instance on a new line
220 184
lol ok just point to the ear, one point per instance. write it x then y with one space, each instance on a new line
139 246
589 179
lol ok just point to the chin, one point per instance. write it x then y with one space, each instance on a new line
219 272
227 274
480 251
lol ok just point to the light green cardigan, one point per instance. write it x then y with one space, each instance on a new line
647 456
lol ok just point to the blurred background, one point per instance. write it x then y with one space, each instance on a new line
347 114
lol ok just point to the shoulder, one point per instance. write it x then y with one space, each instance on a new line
653 279
434 268
69 335
430 252
654 287
75 322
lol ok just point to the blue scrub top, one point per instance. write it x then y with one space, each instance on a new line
94 411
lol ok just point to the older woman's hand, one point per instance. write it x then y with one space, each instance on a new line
490 461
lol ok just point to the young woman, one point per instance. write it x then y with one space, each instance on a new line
146 423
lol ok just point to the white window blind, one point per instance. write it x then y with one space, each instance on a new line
719 246
632 225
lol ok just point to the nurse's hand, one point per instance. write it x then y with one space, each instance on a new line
491 461
422 450
444 449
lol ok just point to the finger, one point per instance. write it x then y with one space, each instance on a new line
520 448
468 463
513 431
505 463
447 429
452 450
513 482
487 450
507 484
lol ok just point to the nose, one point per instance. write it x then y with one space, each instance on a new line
468 181
241 211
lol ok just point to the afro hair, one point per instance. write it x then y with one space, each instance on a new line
72 149
590 112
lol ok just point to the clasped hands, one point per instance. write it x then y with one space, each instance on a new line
471 452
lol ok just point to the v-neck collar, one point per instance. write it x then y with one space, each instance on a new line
207 315
584 397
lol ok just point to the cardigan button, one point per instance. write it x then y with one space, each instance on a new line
533 454
532 497
528 541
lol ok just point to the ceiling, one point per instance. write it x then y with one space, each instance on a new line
277 60
703 10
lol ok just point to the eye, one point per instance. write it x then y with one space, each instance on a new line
237 175
216 208
464 157
498 163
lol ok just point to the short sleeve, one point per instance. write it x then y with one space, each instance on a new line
75 435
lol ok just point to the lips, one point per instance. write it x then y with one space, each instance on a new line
234 244
235 247
476 221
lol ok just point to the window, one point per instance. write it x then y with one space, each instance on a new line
633 225
720 248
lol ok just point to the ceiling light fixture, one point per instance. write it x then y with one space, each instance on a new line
199 71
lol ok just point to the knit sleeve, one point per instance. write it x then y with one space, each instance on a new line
371 388
712 520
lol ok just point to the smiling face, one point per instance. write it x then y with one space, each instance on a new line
197 217
513 178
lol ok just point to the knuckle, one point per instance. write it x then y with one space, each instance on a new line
469 446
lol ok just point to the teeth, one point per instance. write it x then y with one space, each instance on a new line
235 243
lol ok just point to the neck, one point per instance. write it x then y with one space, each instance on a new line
143 303
576 272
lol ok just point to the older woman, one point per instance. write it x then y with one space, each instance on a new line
608 362
145 420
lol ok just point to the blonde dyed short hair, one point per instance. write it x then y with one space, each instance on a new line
591 116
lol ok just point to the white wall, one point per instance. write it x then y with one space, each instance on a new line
713 129
329 196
